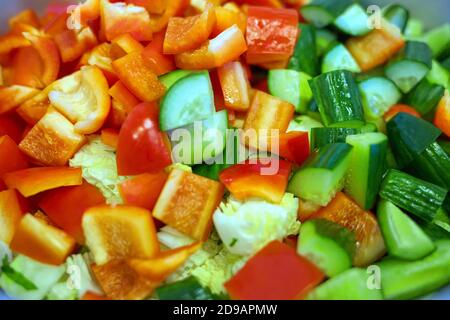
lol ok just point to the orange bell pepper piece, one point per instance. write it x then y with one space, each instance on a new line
100 56
110 137
12 96
86 12
73 44
226 47
127 44
376 47
120 93
42 242
83 98
157 269
119 232
11 41
187 203
228 15
173 8
11 158
152 6
26 68
35 180
442 115
10 215
12 126
263 3
35 108
52 141
139 77
400 108
346 212
143 190
25 17
65 207
119 18
235 86
154 57
246 180
267 114
185 34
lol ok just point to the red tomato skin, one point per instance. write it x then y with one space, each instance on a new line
141 146
274 273
143 190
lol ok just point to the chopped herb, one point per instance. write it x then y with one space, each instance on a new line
17 277
233 242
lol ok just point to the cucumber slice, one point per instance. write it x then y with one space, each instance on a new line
439 228
322 175
188 100
445 145
339 58
292 86
409 136
378 95
446 64
338 98
201 141
328 245
414 29
349 285
425 97
322 136
438 39
186 289
411 66
353 21
438 74
169 79
397 15
323 12
403 237
325 39
305 56
419 197
43 276
366 168
407 280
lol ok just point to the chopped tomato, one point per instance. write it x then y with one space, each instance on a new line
141 145
10 214
65 207
143 190
235 86
276 272
400 108
264 178
110 137
42 242
271 34
442 115
11 158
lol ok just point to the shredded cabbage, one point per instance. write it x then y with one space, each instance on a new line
98 163
246 227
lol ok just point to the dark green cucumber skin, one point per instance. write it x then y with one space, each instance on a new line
187 289
341 235
323 136
446 63
433 165
419 197
445 145
305 56
328 157
377 168
334 7
425 97
338 97
417 51
409 136
439 228
397 15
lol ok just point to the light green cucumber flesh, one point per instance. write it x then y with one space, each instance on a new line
339 58
406 74
169 79
353 21
378 95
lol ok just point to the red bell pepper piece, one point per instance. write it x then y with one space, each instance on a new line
26 17
26 67
271 34
65 207
141 145
294 146
11 158
155 59
143 190
400 108
12 126
10 214
110 137
265 178
276 272
10 41
442 115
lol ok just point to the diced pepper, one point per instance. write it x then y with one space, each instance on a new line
65 207
120 93
12 126
376 47
294 146
35 180
267 116
72 44
160 267
35 108
235 86
143 190
10 215
119 232
271 34
86 12
392 112
226 47
100 56
119 18
342 210
187 203
173 8
274 273
83 98
226 17
139 77
152 6
185 34
142 147
442 115
9 42
110 137
117 114
306 209
93 296
11 158
264 3
26 68
42 242
264 178
25 17
127 44
156 60
12 96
